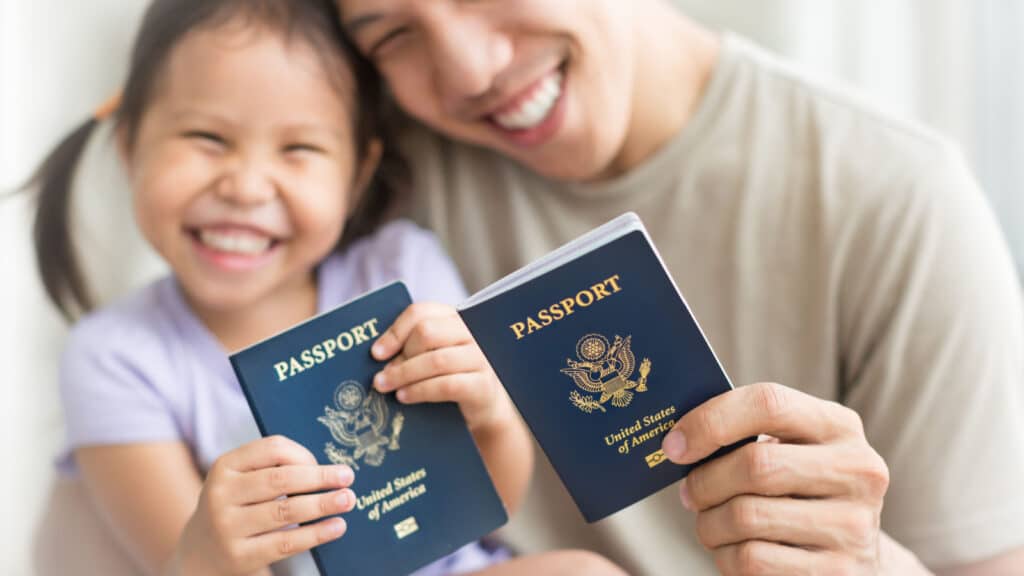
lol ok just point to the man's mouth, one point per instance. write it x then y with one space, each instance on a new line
531 108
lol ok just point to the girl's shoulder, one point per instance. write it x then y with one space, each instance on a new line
138 324
398 250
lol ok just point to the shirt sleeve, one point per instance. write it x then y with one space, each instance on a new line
109 387
933 336
424 265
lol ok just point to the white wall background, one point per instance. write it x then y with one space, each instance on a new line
58 60
954 64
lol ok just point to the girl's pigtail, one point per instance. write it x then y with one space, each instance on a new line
56 258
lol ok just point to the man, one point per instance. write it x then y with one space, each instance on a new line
846 256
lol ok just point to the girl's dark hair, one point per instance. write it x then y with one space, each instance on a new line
164 25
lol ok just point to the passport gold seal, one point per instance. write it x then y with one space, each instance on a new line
360 421
602 372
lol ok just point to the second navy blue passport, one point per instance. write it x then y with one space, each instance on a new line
422 488
600 353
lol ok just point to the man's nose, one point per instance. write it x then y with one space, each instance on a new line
469 52
245 182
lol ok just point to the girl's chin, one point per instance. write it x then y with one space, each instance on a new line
220 298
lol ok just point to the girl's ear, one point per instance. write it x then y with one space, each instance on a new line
367 167
122 141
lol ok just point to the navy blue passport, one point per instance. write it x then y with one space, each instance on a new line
601 355
422 488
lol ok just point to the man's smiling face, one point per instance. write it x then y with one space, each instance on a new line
548 84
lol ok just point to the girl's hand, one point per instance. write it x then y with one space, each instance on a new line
237 525
435 359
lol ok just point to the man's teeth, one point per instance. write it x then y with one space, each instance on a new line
534 109
235 242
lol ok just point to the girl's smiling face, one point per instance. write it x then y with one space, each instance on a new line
243 166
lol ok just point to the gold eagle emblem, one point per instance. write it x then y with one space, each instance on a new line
604 370
360 422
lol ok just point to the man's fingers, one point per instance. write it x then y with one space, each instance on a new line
820 524
773 409
276 514
274 546
771 559
265 453
394 338
772 469
449 360
270 483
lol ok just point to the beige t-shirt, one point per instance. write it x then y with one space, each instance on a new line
821 245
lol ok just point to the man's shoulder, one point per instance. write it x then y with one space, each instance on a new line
826 115
438 160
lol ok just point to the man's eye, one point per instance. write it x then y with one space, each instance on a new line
387 41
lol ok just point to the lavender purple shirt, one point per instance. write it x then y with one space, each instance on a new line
145 369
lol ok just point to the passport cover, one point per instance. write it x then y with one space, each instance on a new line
601 356
422 488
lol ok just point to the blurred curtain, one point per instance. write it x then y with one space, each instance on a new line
956 65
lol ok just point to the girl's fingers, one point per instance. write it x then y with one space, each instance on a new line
264 453
440 362
457 388
277 514
432 333
270 483
274 546
393 339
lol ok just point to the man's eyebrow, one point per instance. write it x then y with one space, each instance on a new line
359 22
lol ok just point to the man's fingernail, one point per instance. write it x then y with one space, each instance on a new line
380 382
684 495
674 446
377 350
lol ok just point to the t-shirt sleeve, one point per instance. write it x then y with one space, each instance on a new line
110 386
425 266
933 336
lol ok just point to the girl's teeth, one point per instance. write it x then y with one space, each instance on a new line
536 108
238 243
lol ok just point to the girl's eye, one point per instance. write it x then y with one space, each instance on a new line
206 137
303 147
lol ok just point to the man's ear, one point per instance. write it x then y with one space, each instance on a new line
367 168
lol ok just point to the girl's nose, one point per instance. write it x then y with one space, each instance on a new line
246 184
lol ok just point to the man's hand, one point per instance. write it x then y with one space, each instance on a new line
808 500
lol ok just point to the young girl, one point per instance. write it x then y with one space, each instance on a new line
253 159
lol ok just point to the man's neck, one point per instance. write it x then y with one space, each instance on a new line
675 58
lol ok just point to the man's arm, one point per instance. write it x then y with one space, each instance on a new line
1011 562
898 561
